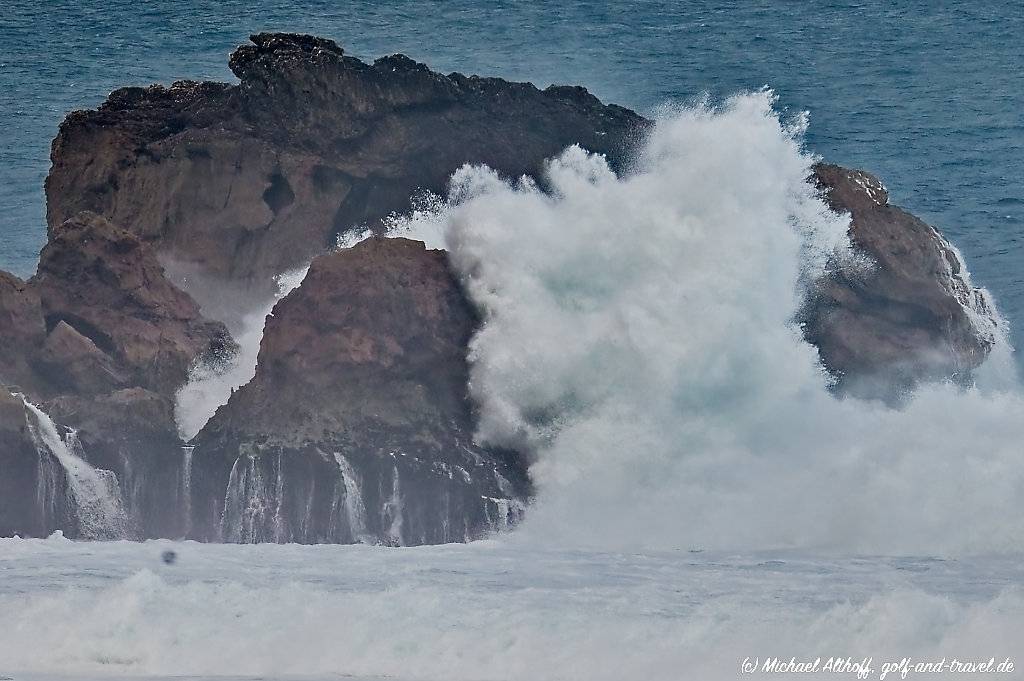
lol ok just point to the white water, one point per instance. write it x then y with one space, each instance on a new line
211 382
95 495
391 513
355 509
186 486
484 611
638 339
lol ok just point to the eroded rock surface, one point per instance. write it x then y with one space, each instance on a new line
356 426
362 377
100 339
109 291
22 330
252 179
911 315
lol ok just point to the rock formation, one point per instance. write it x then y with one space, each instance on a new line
19 512
102 339
22 330
358 422
249 180
356 426
105 296
911 316
236 183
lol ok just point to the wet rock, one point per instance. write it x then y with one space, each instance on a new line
362 374
131 325
356 426
19 512
101 340
131 432
911 315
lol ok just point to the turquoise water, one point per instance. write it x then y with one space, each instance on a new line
929 97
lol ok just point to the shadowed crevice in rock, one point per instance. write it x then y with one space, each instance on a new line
279 194
357 425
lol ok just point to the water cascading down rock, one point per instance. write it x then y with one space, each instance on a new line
356 425
358 421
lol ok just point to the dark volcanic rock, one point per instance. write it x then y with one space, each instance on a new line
365 361
912 316
101 340
356 426
118 321
19 512
22 331
131 432
250 180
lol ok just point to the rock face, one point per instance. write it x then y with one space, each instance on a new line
249 180
102 340
356 426
358 423
112 313
19 512
911 316
22 329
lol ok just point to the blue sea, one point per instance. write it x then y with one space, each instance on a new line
713 507
929 96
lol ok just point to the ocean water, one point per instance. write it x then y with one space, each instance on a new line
930 96
702 499
112 610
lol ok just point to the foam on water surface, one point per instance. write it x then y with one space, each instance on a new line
638 339
488 610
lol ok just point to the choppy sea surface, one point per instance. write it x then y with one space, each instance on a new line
930 96
489 610
727 440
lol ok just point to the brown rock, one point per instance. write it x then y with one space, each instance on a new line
250 180
21 331
375 333
356 426
73 364
109 288
367 360
907 318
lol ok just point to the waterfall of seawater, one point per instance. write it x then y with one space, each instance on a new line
94 494
244 503
391 513
248 502
186 487
350 494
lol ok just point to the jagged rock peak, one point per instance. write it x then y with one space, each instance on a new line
246 181
271 49
850 190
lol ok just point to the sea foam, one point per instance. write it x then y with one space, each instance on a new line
639 341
